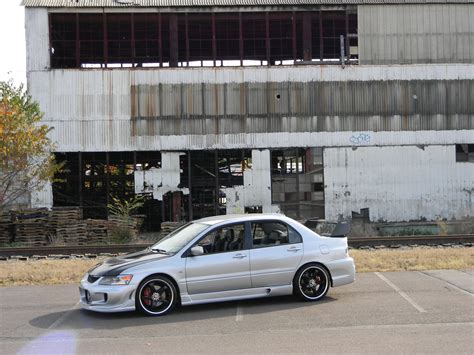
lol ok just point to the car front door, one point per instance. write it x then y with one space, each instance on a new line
224 266
277 250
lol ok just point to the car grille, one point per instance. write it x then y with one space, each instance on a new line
91 279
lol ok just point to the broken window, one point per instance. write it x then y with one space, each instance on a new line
91 40
227 39
119 40
289 161
254 39
281 38
464 152
297 182
333 27
200 40
63 41
147 38
95 40
89 179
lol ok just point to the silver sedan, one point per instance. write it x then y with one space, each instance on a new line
222 258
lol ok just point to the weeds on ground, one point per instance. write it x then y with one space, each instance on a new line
70 271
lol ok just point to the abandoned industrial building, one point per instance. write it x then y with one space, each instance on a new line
316 108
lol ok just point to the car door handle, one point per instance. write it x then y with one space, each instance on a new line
239 256
293 249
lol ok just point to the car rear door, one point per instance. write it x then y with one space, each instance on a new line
277 250
225 265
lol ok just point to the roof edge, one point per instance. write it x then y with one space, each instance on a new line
220 3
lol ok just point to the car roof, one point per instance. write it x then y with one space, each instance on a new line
239 217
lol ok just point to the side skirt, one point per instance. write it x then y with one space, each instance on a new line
234 295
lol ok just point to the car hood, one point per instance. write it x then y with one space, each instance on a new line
116 266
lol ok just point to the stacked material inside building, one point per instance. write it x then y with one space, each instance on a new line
67 225
125 223
6 228
72 234
31 227
96 231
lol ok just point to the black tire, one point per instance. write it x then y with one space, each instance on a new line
311 282
156 295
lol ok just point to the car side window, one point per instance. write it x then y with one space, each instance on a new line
294 236
224 239
270 233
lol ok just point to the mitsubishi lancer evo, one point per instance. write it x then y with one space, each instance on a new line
221 258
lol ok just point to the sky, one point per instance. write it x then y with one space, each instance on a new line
12 42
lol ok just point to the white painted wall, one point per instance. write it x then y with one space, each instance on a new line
42 197
37 39
256 190
398 183
163 180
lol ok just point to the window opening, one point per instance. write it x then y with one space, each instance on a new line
464 153
121 40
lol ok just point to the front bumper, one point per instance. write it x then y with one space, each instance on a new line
103 298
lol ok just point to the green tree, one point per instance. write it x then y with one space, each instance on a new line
26 159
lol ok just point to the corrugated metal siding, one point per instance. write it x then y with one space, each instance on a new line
405 34
333 106
37 39
207 3
146 109
397 183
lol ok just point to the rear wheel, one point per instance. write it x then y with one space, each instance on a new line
311 283
156 296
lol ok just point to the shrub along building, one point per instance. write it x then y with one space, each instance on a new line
317 109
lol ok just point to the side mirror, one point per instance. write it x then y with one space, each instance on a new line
197 250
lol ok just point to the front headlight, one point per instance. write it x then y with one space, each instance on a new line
116 280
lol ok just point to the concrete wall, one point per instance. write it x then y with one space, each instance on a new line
163 180
256 190
406 34
398 183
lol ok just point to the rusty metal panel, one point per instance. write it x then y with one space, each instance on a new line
301 97
406 34
192 100
278 98
257 98
235 99
145 101
214 99
171 100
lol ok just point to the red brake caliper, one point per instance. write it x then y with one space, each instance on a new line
146 293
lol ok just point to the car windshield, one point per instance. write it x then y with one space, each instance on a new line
177 239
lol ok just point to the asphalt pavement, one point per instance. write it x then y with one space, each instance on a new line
390 312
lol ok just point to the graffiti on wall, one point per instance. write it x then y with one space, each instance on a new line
360 138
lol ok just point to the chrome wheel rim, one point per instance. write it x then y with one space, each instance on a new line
313 282
156 296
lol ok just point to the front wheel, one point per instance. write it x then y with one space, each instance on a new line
311 283
156 296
